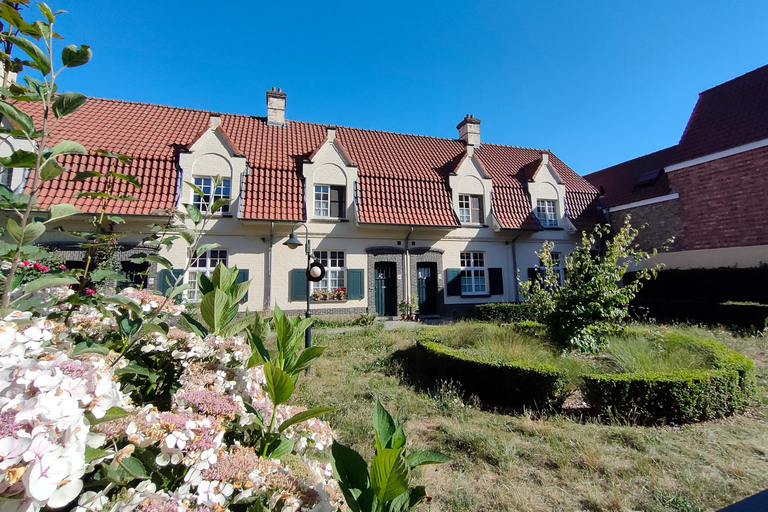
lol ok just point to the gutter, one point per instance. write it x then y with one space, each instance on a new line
514 267
268 284
407 266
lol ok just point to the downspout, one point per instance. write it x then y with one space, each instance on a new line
407 269
514 267
268 295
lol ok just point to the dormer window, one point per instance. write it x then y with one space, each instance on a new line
470 209
210 195
546 212
330 201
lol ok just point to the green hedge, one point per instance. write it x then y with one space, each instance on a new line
503 384
505 312
677 397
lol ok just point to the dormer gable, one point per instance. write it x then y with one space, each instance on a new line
330 177
212 153
547 192
471 189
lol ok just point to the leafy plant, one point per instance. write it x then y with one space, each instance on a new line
387 486
592 303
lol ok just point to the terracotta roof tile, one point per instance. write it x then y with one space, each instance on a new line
402 178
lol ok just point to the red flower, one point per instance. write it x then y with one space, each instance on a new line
25 263
45 269
63 267
89 291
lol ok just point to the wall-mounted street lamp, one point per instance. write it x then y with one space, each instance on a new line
315 272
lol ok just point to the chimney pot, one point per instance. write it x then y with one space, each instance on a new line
469 130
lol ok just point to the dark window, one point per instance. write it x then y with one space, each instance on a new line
471 209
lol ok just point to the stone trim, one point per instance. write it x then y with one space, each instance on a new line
383 255
644 202
718 155
386 249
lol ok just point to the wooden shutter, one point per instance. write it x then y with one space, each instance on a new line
453 281
496 280
338 202
299 284
242 276
355 282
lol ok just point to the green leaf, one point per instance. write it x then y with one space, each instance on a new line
384 426
205 248
351 471
161 328
89 347
92 454
130 327
284 446
279 384
194 213
83 175
219 203
48 282
193 324
303 416
160 260
113 413
422 458
30 233
19 118
135 369
72 56
178 290
115 219
51 169
20 158
133 180
305 359
389 474
37 55
134 467
66 147
213 309
59 211
188 235
124 301
237 326
13 17
195 189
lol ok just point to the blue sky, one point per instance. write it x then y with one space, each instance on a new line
597 82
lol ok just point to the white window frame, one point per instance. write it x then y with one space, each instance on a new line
335 270
467 213
205 264
557 266
474 278
322 201
546 212
205 184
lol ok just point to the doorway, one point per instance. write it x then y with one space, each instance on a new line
426 278
386 289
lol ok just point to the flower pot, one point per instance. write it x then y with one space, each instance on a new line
402 317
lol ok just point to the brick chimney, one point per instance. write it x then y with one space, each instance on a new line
469 130
276 107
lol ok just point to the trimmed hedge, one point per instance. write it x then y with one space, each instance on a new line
504 384
505 312
677 397
743 316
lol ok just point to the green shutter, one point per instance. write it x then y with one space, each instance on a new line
167 279
496 280
242 276
355 282
453 281
299 284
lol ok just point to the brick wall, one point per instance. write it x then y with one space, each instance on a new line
724 203
662 221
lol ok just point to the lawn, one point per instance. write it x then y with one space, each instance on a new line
541 462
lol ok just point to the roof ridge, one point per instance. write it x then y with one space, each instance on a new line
733 79
146 103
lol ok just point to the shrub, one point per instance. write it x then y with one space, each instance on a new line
513 384
679 396
505 312
591 303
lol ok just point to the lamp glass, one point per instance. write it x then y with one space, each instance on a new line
315 271
293 242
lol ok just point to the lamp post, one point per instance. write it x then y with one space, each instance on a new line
315 272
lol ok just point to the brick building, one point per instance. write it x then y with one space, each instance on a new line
710 191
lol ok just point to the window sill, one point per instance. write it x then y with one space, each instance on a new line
321 301
329 219
473 225
474 295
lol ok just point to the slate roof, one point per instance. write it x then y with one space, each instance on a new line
620 183
403 179
729 115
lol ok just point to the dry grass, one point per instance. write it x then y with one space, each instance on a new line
537 462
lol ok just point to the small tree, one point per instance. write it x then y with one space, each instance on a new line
592 302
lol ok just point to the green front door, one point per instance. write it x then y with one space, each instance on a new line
386 289
426 279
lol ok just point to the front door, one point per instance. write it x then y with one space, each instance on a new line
386 289
426 277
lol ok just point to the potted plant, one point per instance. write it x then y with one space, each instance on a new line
340 294
413 304
403 306
316 295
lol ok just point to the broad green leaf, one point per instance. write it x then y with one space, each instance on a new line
51 169
237 291
133 180
205 248
188 235
124 301
82 175
398 438
204 284
113 413
89 347
351 471
416 495
19 158
279 384
305 358
6 248
178 290
416 459
134 467
6 194
256 359
193 324
13 17
195 189
67 147
122 158
389 474
72 56
115 219
130 327
59 211
101 274
29 234
161 328
384 426
194 213
19 118
219 203
284 446
96 195
48 282
237 326
135 369
213 309
37 55
160 260
47 12
92 454
303 416
67 104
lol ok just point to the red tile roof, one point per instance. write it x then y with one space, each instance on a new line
619 183
403 179
727 116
